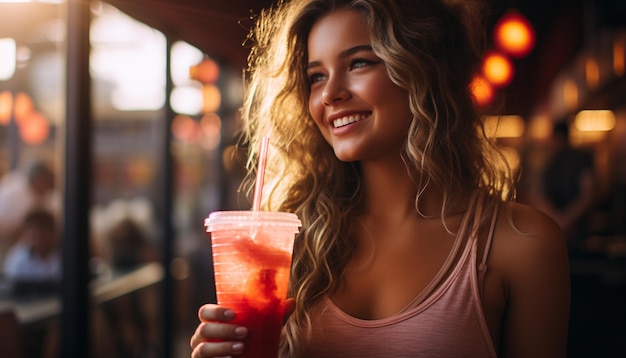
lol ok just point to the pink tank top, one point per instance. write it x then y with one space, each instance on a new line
449 322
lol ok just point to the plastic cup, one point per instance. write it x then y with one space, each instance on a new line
252 261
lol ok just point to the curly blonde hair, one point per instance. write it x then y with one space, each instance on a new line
432 49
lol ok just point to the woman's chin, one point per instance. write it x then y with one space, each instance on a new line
345 156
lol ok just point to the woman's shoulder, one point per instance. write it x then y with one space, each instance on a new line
526 237
530 275
527 221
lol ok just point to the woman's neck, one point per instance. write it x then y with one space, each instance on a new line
390 194
389 191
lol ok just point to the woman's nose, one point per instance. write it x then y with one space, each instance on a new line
335 91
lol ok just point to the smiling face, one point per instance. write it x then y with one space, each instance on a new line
362 114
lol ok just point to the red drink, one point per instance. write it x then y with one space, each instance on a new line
252 260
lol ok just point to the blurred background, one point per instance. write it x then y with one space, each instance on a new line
118 126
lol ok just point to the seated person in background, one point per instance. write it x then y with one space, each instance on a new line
35 256
22 191
131 318
130 246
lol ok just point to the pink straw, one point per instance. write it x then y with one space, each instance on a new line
258 189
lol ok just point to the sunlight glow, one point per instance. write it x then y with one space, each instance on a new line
184 56
187 100
8 54
130 57
41 1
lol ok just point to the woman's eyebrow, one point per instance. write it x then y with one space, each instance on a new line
345 53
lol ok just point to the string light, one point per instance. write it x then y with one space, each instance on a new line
498 69
514 34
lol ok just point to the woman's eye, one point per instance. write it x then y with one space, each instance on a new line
315 77
360 62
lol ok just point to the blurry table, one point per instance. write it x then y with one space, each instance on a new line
29 310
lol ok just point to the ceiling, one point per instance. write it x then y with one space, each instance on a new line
219 28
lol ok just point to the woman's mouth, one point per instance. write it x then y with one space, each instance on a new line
344 121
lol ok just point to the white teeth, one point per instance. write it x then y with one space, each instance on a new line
340 122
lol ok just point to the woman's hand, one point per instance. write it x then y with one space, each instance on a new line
214 336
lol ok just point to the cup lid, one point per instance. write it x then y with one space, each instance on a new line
236 218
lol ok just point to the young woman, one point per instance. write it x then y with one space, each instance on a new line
411 244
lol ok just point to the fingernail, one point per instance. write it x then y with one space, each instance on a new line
229 314
241 331
238 347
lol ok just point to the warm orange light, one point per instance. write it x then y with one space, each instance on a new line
595 120
540 127
508 126
6 107
23 106
211 124
618 57
34 128
184 128
592 73
139 171
482 91
498 69
514 34
207 71
570 94
211 98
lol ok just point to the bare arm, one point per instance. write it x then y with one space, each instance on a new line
533 259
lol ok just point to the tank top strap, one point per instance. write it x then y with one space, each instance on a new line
482 267
478 208
467 230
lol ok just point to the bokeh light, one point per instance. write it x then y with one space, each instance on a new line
498 69
207 71
6 107
481 90
8 53
210 126
184 128
34 128
211 98
595 120
514 34
23 106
